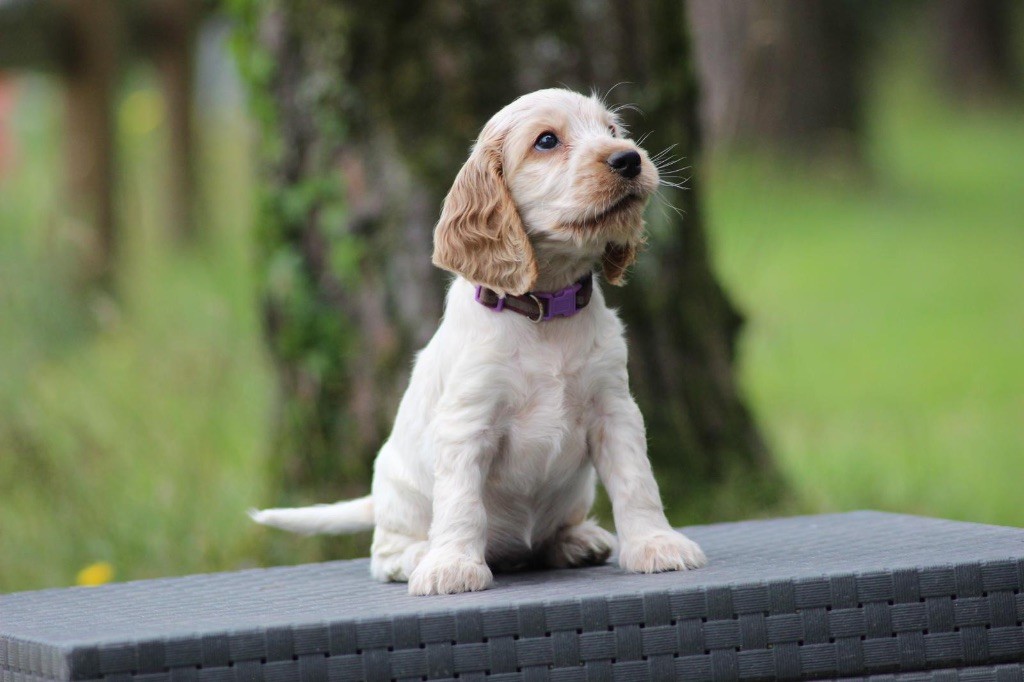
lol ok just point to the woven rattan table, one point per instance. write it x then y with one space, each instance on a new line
846 595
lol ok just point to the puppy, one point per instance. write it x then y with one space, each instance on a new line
522 393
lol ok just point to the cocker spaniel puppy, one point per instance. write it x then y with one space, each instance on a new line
522 393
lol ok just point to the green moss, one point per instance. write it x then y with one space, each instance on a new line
302 216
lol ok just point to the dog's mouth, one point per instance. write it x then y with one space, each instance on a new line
624 204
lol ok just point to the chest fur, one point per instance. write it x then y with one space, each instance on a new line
545 437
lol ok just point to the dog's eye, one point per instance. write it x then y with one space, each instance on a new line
611 129
546 141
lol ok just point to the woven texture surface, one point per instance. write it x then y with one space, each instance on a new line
847 595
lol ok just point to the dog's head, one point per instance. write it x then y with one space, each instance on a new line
552 167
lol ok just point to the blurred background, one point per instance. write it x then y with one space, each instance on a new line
214 255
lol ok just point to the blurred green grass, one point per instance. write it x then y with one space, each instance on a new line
885 348
130 431
884 353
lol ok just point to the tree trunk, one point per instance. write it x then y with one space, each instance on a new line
781 73
975 46
369 111
90 81
174 55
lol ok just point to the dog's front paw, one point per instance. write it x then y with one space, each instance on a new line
441 572
661 551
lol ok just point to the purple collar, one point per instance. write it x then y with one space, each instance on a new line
541 306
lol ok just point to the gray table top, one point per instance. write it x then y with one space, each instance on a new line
747 553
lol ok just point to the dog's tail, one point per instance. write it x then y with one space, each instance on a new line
350 516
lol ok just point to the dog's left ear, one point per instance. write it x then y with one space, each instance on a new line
617 259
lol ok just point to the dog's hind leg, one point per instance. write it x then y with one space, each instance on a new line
394 555
402 516
582 544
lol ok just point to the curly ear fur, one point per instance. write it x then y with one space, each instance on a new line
480 235
616 260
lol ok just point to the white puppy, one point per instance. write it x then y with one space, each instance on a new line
492 457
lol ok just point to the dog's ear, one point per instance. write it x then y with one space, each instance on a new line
616 260
480 235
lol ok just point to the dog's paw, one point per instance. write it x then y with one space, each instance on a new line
661 551
441 572
585 544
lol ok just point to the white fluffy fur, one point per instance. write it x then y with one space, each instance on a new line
492 459
350 516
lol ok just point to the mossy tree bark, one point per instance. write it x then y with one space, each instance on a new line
369 109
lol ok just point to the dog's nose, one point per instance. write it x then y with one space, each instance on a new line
626 164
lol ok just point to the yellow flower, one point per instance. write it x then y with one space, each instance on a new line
95 574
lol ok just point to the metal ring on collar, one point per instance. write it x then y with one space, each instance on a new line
540 309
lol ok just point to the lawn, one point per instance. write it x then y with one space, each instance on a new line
884 353
885 348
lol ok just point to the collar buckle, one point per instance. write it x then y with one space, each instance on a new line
557 303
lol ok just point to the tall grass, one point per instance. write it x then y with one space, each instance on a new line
131 430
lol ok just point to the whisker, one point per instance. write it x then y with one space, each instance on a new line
665 202
608 94
661 155
671 166
627 107
669 172
670 161
676 185
665 159
677 176
662 208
